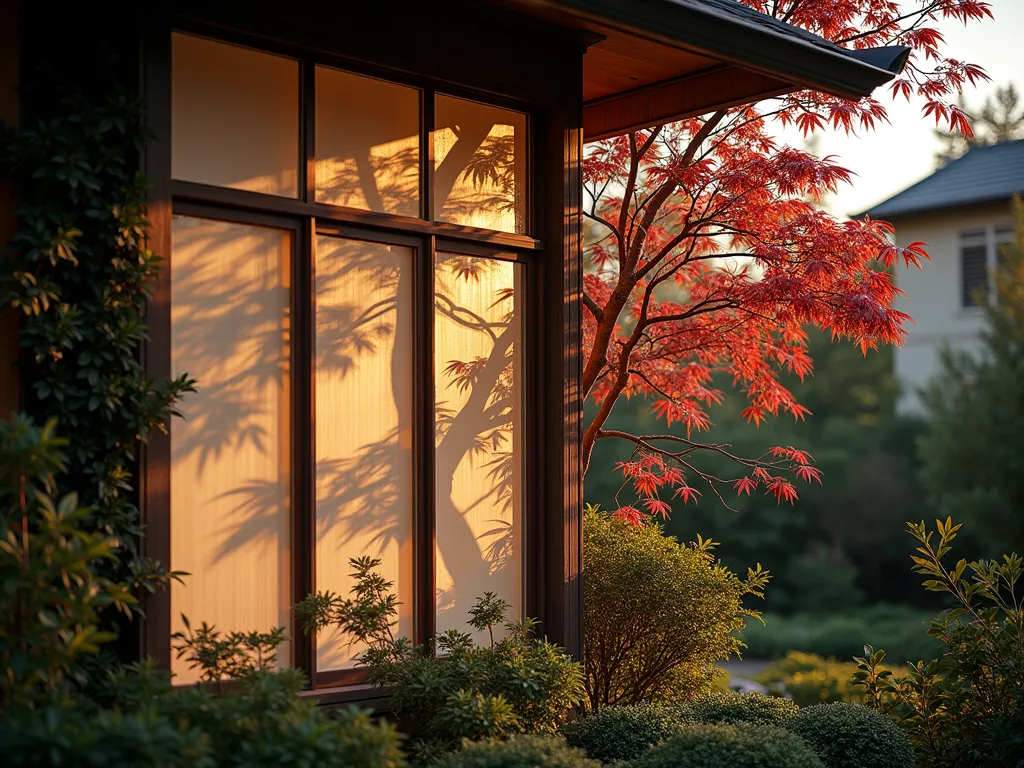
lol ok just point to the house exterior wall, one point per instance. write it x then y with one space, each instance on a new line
933 294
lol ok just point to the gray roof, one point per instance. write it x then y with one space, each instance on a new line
984 174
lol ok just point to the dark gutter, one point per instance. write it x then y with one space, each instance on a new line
767 46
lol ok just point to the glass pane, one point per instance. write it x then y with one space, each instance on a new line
479 165
363 423
367 143
234 117
230 489
973 273
479 438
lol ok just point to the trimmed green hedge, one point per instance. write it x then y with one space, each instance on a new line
731 746
626 732
848 735
736 708
519 752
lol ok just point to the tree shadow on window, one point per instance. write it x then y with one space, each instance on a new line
232 335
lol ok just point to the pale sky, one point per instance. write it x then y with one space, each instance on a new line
895 156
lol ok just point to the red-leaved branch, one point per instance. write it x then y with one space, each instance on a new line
709 255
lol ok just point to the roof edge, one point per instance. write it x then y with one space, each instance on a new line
807 63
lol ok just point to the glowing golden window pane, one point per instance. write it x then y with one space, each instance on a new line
479 438
479 165
230 472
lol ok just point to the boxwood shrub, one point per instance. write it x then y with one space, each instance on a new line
734 708
731 746
625 732
525 751
846 735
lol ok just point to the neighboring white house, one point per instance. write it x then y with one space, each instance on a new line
962 213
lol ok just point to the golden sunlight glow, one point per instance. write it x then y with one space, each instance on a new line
479 165
234 117
479 438
367 143
363 423
230 478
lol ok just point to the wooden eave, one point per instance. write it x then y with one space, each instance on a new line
650 62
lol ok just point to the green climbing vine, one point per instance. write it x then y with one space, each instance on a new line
78 271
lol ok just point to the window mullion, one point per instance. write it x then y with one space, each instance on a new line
424 556
304 447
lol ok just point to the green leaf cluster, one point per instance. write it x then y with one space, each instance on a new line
260 722
51 594
78 272
657 614
452 689
625 732
845 735
731 746
965 707
523 751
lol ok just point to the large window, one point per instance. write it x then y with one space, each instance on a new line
349 269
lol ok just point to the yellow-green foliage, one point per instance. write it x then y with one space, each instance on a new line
810 679
657 614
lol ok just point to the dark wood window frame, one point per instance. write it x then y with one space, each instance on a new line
307 218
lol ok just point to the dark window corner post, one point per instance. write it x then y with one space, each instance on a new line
563 497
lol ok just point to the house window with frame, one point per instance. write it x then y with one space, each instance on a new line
349 274
980 251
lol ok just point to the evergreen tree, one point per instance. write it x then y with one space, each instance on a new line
973 465
1000 119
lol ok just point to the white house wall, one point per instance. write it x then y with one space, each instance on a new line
933 295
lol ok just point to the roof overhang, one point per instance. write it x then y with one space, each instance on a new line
654 61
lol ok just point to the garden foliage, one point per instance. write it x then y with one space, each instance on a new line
657 614
965 707
524 751
52 590
78 273
627 731
731 746
452 689
845 735
738 708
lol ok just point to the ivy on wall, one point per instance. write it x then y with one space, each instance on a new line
78 271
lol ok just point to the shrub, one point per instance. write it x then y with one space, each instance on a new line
737 708
51 595
967 706
657 614
625 732
452 689
525 751
809 679
260 721
731 746
848 735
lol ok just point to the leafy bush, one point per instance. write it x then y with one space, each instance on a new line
809 679
453 689
731 746
260 721
50 593
657 614
846 735
625 732
967 706
519 752
895 627
737 708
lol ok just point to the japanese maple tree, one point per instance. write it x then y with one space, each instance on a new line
709 254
